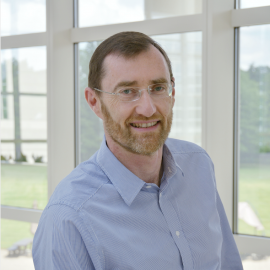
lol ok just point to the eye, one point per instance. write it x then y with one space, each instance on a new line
126 91
159 88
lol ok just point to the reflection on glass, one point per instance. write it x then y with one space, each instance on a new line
101 12
22 16
253 3
19 235
254 135
24 127
184 51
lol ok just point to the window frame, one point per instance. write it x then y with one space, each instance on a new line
241 18
217 22
60 91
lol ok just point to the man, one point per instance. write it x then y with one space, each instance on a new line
139 202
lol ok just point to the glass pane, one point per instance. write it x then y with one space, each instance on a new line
7 117
7 152
31 74
184 51
24 185
24 127
33 117
35 153
254 134
253 3
19 235
100 12
22 16
90 126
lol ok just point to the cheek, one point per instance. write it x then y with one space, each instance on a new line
166 108
119 112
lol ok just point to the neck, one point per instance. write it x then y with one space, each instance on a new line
147 168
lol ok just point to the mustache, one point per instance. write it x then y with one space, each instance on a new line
143 118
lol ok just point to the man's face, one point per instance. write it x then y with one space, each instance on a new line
125 122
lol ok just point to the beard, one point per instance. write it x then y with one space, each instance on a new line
146 143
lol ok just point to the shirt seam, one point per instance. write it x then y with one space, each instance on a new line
90 225
95 164
92 195
77 209
53 241
95 246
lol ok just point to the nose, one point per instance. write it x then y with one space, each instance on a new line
146 106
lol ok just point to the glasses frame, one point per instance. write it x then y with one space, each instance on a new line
171 86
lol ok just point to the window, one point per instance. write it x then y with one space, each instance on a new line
254 131
24 157
22 17
252 3
104 12
251 163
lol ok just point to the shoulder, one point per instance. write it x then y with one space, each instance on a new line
79 186
183 147
188 152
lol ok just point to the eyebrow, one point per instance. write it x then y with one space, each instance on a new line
159 80
132 83
125 83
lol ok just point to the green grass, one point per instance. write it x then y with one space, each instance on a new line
23 184
254 188
13 231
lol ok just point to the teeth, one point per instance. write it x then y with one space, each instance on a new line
144 125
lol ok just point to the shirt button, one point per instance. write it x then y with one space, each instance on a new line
148 186
160 194
177 233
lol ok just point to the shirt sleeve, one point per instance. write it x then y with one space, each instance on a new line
230 258
59 242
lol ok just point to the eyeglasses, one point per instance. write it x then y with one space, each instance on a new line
129 94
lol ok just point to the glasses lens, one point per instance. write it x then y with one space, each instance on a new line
160 89
156 90
129 94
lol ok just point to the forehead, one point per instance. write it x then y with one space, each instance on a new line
143 67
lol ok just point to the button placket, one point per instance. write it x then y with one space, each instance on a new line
175 228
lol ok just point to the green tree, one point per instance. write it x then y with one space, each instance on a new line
254 113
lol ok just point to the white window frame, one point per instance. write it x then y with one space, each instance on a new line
217 23
60 97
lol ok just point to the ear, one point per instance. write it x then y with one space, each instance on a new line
173 91
93 101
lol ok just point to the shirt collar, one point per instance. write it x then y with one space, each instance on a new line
169 163
126 183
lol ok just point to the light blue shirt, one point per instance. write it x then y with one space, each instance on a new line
102 216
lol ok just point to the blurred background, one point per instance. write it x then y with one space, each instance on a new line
221 63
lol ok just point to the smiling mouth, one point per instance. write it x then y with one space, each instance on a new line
144 125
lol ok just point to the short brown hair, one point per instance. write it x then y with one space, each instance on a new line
127 44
